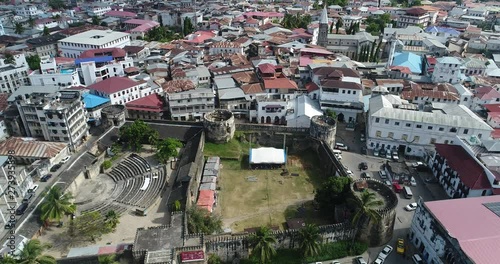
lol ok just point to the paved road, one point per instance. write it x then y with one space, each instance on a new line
428 192
29 223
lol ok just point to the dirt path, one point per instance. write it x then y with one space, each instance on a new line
227 222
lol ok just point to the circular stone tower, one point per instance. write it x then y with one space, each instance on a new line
114 115
219 126
377 233
323 128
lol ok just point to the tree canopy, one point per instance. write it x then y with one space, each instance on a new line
376 24
310 240
188 27
46 31
262 243
57 4
33 62
161 34
298 21
56 205
167 148
18 28
32 253
90 226
201 221
9 59
333 192
136 134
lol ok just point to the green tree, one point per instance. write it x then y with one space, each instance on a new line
366 210
377 51
32 253
8 259
90 226
107 164
176 206
341 3
107 259
33 62
262 243
188 26
46 31
338 25
112 219
9 59
214 259
167 148
136 134
96 20
31 22
310 240
104 24
56 205
331 28
57 4
372 52
18 28
329 112
201 221
459 2
333 192
416 3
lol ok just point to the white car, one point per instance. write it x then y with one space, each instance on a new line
413 182
350 174
388 183
411 207
65 159
378 261
341 146
386 251
362 138
33 188
382 174
338 156
417 164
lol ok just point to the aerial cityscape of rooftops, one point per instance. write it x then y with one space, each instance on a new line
253 131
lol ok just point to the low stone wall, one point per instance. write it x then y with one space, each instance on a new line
282 129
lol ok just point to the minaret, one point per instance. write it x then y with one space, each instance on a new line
323 28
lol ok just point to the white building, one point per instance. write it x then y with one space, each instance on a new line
75 45
456 231
121 90
350 20
414 17
304 109
449 70
98 64
226 48
397 125
28 11
50 73
55 115
13 76
270 109
98 9
192 104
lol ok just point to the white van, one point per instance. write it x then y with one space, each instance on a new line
417 259
337 152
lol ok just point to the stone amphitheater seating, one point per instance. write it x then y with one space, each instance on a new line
130 167
133 195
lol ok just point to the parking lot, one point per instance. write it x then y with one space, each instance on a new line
427 191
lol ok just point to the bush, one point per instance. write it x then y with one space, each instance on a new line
107 164
338 250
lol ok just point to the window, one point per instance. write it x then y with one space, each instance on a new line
429 127
416 139
353 92
408 125
390 135
343 91
377 120
466 131
387 121
453 129
396 123
433 140
419 126
378 133
441 129
479 136
404 137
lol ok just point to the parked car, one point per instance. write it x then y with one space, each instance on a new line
33 188
388 155
431 180
341 146
338 156
395 155
335 262
46 177
382 153
363 166
21 209
366 175
417 164
400 246
376 153
10 225
413 182
55 167
378 261
417 259
350 174
65 159
388 183
386 251
360 260
411 207
383 174
362 138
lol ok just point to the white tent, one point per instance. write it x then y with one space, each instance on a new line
267 156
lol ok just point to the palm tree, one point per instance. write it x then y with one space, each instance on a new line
19 29
32 254
31 22
46 31
9 59
108 259
310 239
366 206
56 205
8 259
262 243
112 219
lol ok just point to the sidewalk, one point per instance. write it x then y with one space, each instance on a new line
346 260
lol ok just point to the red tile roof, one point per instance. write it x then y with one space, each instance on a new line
252 88
469 171
123 14
267 68
175 86
114 52
280 83
492 107
495 133
311 87
190 256
486 93
113 85
150 103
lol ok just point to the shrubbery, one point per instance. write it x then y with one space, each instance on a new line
338 250
107 164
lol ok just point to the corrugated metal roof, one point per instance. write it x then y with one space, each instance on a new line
30 147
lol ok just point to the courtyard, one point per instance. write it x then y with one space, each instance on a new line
252 198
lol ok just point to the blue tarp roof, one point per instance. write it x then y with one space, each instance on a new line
92 101
408 59
434 29
95 59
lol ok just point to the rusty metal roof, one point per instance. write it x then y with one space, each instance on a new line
30 147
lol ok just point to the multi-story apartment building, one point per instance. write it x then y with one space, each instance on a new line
51 73
448 70
99 64
121 90
395 124
13 76
75 45
414 17
271 109
52 114
45 45
98 9
28 11
457 231
192 104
